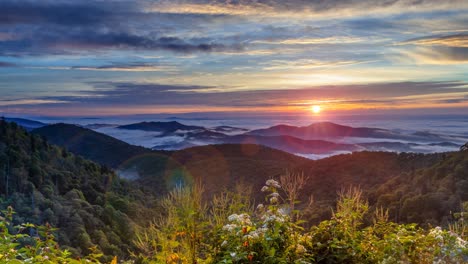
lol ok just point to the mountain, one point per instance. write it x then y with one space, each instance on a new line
217 166
163 127
315 141
295 145
90 144
97 126
322 130
328 130
25 123
292 144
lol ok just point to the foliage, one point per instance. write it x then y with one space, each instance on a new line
17 246
176 236
88 203
269 235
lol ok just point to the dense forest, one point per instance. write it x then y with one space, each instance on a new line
89 204
94 208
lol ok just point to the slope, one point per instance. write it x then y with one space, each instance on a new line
89 204
90 144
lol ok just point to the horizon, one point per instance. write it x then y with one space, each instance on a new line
225 58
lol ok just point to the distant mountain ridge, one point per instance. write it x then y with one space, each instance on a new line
163 127
324 130
25 123
324 138
90 144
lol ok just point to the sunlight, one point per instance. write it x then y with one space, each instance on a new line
316 109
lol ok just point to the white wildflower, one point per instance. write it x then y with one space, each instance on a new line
275 194
255 234
229 227
244 219
273 200
273 183
264 189
233 217
260 207
461 243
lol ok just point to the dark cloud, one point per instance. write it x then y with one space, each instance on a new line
454 100
63 42
458 54
6 64
61 13
45 28
93 40
132 66
371 24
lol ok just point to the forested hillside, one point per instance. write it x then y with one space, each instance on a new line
89 204
90 144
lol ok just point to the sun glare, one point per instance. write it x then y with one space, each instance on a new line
316 109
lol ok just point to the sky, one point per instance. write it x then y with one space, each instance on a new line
96 58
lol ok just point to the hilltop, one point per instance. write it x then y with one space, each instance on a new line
92 145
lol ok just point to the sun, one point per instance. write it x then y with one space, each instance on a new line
316 109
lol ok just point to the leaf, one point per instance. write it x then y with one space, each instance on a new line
114 260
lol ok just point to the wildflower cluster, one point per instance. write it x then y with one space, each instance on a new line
268 237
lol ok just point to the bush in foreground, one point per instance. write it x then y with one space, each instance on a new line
194 232
28 243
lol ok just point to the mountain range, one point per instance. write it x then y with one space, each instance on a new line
323 138
317 140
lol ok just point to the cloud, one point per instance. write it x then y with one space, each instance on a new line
27 102
130 67
63 42
454 100
446 49
301 8
116 67
6 64
65 27
307 64
61 13
312 41
436 55
456 41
